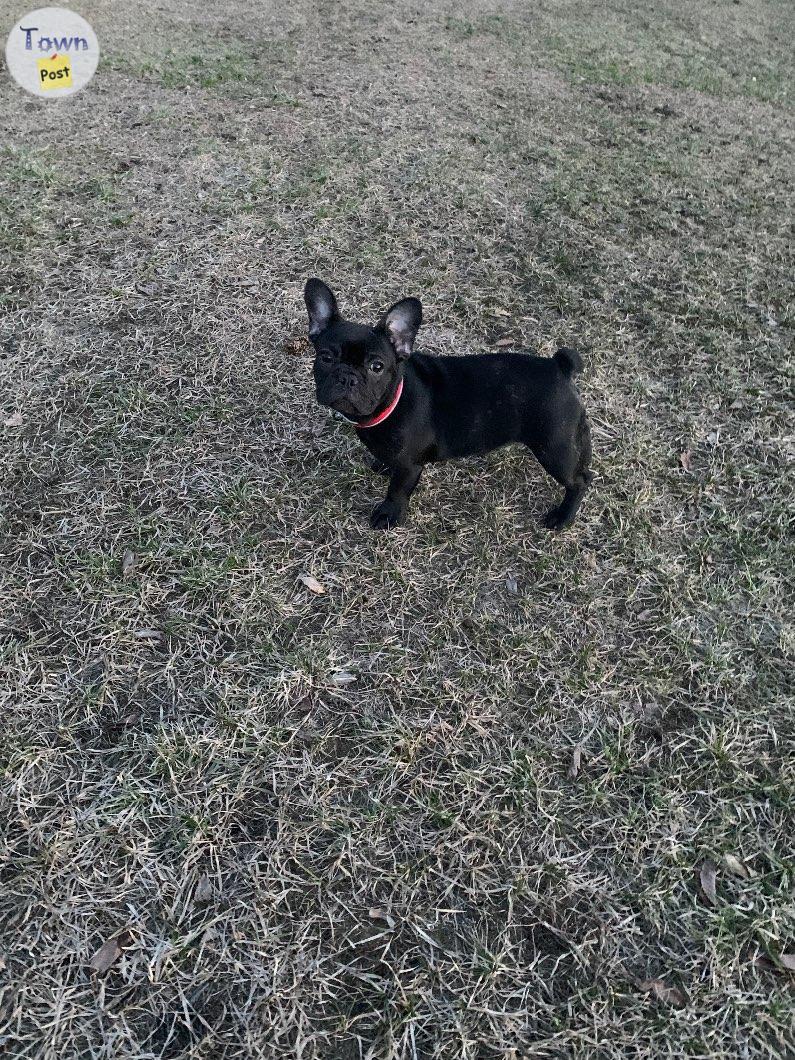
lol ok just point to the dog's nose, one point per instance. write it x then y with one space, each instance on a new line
347 378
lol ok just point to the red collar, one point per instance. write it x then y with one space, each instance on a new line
374 420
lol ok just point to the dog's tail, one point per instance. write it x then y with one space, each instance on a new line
569 361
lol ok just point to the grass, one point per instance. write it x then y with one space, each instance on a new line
459 805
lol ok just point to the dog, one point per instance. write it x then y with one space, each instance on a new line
411 409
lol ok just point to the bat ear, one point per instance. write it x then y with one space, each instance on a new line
320 304
400 324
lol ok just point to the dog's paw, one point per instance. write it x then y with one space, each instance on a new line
387 515
556 519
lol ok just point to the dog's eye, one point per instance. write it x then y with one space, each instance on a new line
325 357
376 366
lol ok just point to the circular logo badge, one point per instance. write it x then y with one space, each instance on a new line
52 52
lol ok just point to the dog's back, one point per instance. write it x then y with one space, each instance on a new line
485 401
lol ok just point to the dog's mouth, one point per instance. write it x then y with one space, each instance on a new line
341 400
347 408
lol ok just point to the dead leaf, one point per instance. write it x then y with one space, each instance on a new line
343 677
376 913
312 584
204 889
576 759
772 963
296 344
761 960
16 419
736 866
507 341
671 995
109 952
707 878
127 563
686 460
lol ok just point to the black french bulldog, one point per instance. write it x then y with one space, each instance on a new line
411 409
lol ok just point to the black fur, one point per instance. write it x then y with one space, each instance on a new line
451 406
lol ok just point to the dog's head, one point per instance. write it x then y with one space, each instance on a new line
357 367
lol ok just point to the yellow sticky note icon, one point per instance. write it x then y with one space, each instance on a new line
55 72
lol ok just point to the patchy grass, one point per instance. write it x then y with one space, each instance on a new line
207 68
458 805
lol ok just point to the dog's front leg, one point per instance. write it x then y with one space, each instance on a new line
392 510
378 466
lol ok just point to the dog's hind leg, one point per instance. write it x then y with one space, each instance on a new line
567 459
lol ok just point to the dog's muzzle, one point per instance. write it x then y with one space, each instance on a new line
341 387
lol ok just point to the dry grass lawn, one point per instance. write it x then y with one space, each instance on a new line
501 838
